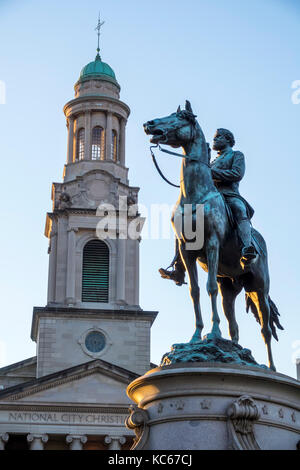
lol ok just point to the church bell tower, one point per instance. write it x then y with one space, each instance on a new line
93 306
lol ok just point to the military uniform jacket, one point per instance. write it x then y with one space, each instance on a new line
227 171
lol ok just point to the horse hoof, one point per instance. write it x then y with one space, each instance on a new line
212 335
215 333
196 337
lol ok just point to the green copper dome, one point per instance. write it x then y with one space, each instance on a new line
97 69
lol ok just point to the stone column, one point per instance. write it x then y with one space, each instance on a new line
37 441
70 291
87 143
121 266
71 139
76 442
137 272
122 141
3 440
115 442
52 267
108 138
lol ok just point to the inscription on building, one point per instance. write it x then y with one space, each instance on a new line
66 418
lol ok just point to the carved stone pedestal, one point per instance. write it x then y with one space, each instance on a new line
214 406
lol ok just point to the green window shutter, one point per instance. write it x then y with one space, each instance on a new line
95 272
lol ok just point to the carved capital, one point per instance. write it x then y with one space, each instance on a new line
3 439
70 438
37 441
73 229
114 442
76 441
70 301
42 437
137 421
242 414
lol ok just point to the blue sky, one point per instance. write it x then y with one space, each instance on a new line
234 60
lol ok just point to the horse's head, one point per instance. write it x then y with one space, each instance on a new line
176 129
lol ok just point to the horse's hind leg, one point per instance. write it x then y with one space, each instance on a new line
260 298
189 261
229 290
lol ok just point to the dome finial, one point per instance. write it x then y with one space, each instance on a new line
98 33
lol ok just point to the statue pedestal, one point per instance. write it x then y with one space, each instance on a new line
214 406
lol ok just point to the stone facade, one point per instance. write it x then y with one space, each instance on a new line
87 402
60 336
72 395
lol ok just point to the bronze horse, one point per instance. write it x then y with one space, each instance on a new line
220 253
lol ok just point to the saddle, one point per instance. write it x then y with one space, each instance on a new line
233 222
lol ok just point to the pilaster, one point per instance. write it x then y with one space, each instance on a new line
88 132
122 141
52 266
70 291
70 139
108 136
121 270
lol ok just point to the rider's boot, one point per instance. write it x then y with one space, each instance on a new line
249 253
176 274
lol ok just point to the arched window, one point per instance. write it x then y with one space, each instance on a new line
95 272
97 143
80 144
114 146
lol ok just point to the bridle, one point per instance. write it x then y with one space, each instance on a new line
188 157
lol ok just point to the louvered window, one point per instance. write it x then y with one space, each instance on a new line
95 272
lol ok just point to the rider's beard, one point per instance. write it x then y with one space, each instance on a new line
219 147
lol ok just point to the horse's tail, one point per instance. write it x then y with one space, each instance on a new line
274 314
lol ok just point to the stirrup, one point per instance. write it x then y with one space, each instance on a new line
249 256
173 276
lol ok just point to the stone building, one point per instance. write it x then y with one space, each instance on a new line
92 338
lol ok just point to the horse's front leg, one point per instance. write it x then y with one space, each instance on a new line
190 261
212 255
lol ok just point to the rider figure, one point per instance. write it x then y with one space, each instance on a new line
227 170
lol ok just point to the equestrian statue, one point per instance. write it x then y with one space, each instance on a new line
233 253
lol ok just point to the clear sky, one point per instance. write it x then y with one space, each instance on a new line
235 60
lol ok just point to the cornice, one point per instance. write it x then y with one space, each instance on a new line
18 365
90 98
102 78
68 407
41 388
215 417
84 313
63 377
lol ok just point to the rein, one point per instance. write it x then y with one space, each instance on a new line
159 170
171 153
